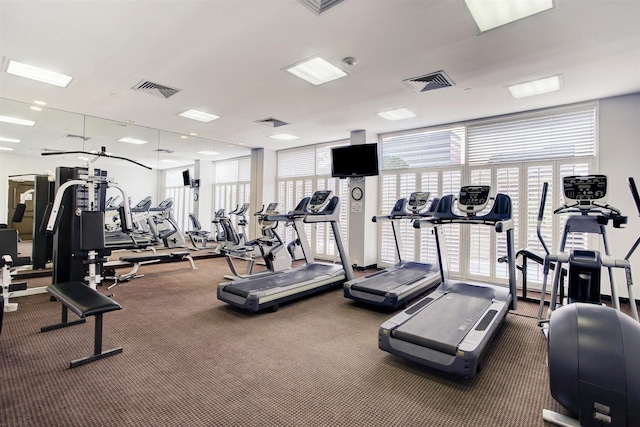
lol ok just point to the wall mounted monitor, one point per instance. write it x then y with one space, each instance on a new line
354 161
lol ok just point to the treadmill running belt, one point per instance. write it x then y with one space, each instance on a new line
244 287
383 283
444 324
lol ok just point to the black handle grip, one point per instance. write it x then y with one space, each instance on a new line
634 193
543 200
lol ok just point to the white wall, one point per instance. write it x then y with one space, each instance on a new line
136 181
619 159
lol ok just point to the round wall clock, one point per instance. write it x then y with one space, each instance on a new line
356 193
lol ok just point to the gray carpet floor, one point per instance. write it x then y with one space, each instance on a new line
192 360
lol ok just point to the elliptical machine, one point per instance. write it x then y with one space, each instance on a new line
589 213
591 348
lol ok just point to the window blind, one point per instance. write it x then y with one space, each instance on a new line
560 134
442 147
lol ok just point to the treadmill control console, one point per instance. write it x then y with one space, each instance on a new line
272 207
417 201
585 189
473 198
319 200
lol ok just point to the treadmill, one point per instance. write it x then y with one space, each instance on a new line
395 286
451 328
268 291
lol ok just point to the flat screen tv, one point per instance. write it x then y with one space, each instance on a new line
186 178
354 160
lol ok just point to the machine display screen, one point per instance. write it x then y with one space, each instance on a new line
418 200
319 199
585 188
473 198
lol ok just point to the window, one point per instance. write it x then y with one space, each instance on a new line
515 155
181 196
232 187
300 172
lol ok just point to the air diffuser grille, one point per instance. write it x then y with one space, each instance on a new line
71 135
156 89
271 122
320 6
437 80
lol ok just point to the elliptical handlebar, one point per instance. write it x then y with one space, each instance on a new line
634 193
543 201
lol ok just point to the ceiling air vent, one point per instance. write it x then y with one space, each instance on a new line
431 81
156 89
73 136
271 122
320 6
164 150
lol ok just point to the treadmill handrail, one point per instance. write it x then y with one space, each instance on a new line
299 212
500 213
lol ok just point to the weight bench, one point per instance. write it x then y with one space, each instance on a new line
139 260
85 302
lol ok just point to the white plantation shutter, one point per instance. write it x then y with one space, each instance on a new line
574 240
405 227
232 186
515 154
481 237
428 253
536 177
182 197
508 182
451 180
300 172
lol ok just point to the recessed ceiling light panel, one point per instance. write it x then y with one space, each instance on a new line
5 139
17 121
39 74
535 87
397 114
6 149
133 140
199 116
283 137
495 13
316 71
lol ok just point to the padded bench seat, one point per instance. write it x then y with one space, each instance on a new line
84 302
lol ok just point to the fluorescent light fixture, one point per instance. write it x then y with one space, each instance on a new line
209 153
495 13
535 87
4 139
6 149
35 108
283 137
40 103
39 74
316 71
397 114
83 158
17 121
199 116
133 140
